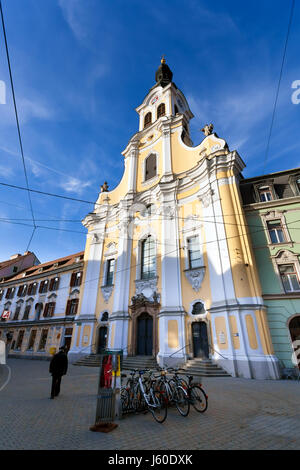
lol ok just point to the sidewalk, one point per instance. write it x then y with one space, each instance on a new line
242 414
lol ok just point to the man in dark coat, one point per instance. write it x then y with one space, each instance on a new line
58 368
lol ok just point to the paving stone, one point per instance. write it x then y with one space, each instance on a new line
241 414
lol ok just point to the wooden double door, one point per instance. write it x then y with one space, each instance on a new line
144 335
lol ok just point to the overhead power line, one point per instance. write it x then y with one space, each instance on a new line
279 82
16 112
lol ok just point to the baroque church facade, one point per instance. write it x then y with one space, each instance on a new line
169 270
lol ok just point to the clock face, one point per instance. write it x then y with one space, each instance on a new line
154 99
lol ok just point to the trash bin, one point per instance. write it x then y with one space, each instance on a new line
108 396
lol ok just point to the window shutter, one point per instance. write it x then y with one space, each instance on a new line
147 120
161 110
73 279
46 310
68 307
150 166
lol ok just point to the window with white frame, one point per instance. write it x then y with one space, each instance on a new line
276 231
265 194
148 258
194 253
289 277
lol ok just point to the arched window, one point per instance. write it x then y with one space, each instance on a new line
198 308
148 120
148 269
294 327
161 110
150 167
38 311
104 316
176 109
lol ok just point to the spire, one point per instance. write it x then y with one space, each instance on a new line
163 75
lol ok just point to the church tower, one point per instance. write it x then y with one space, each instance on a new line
169 269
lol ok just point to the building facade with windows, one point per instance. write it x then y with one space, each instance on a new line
169 270
272 208
38 306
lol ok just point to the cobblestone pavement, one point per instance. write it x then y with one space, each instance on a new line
242 414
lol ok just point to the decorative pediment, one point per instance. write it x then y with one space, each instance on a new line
195 277
286 256
106 292
52 296
147 288
140 300
111 249
74 293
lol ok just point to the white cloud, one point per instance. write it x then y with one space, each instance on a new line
6 172
74 185
28 109
73 11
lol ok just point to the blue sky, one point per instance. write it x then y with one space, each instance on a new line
80 69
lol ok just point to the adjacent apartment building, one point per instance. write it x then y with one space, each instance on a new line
272 207
38 306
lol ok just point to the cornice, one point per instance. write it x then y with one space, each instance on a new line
37 276
47 321
272 204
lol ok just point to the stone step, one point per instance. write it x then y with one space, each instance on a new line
204 368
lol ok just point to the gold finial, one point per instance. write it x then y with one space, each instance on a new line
163 60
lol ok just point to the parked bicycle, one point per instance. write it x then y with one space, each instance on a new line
174 391
141 394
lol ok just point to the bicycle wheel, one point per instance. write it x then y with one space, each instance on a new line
198 398
181 401
125 400
138 402
158 406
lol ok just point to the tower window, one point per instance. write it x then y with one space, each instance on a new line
161 110
176 109
150 167
148 120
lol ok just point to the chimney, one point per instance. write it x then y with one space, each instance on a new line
15 256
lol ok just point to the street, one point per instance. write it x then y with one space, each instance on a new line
241 414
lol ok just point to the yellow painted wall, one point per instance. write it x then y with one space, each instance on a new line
234 329
220 325
78 336
86 335
245 278
251 332
173 341
112 335
264 332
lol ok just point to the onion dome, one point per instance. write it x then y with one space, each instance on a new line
163 75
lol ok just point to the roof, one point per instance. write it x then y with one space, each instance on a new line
49 266
9 262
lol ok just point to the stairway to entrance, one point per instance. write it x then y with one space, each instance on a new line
139 362
129 363
204 368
